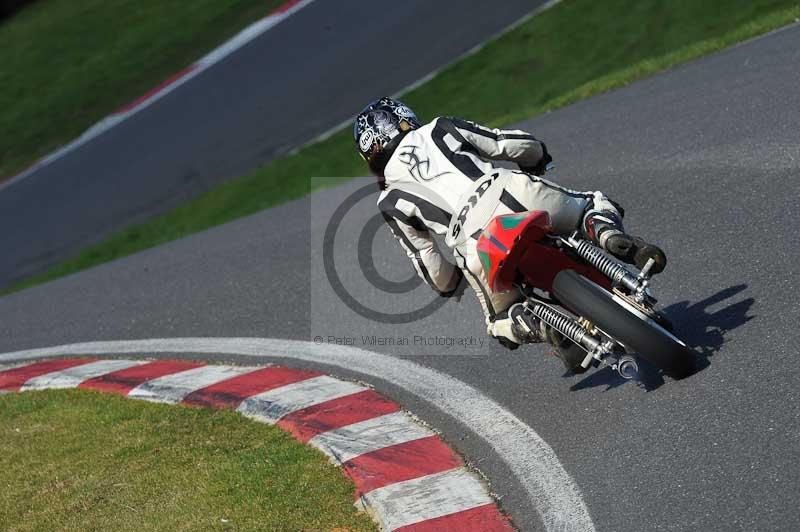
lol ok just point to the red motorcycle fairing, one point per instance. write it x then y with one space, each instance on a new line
512 249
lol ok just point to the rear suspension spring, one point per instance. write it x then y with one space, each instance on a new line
611 269
563 324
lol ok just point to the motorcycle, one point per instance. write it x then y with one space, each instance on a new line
572 286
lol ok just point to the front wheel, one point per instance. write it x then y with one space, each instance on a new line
619 319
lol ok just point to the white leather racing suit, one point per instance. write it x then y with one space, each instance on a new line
428 181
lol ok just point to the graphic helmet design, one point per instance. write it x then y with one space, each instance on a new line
378 123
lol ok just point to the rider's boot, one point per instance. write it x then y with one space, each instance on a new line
530 329
604 228
525 325
516 326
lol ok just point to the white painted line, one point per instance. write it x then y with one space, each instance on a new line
273 404
72 377
546 483
173 388
215 56
251 32
430 75
348 442
411 501
6 367
224 50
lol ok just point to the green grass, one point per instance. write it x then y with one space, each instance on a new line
574 50
80 460
65 64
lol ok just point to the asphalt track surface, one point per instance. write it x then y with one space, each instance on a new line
705 158
301 78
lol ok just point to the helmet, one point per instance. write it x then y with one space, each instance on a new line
377 125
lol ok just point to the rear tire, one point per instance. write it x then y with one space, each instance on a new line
638 332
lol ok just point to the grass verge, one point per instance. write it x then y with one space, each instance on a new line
65 64
572 51
80 460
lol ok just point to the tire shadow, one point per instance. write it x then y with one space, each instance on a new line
702 328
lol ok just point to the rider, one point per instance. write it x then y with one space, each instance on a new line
425 171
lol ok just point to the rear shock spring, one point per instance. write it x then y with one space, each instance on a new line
597 258
563 324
